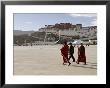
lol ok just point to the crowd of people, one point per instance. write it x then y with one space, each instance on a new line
68 51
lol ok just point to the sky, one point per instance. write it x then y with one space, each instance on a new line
34 21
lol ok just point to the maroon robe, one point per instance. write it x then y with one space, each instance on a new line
81 54
64 53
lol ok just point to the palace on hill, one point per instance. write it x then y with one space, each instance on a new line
69 30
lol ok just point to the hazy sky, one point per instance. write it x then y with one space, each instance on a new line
34 21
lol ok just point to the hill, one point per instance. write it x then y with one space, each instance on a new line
19 32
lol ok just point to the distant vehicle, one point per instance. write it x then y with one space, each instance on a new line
94 42
77 42
87 42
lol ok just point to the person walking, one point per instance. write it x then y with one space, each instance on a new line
64 53
81 54
71 52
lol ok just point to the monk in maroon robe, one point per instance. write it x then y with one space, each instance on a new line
64 53
81 54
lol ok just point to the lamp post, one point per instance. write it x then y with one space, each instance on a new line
59 34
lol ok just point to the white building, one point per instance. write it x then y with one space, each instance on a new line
78 30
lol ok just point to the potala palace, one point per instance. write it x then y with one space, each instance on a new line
69 30
52 34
